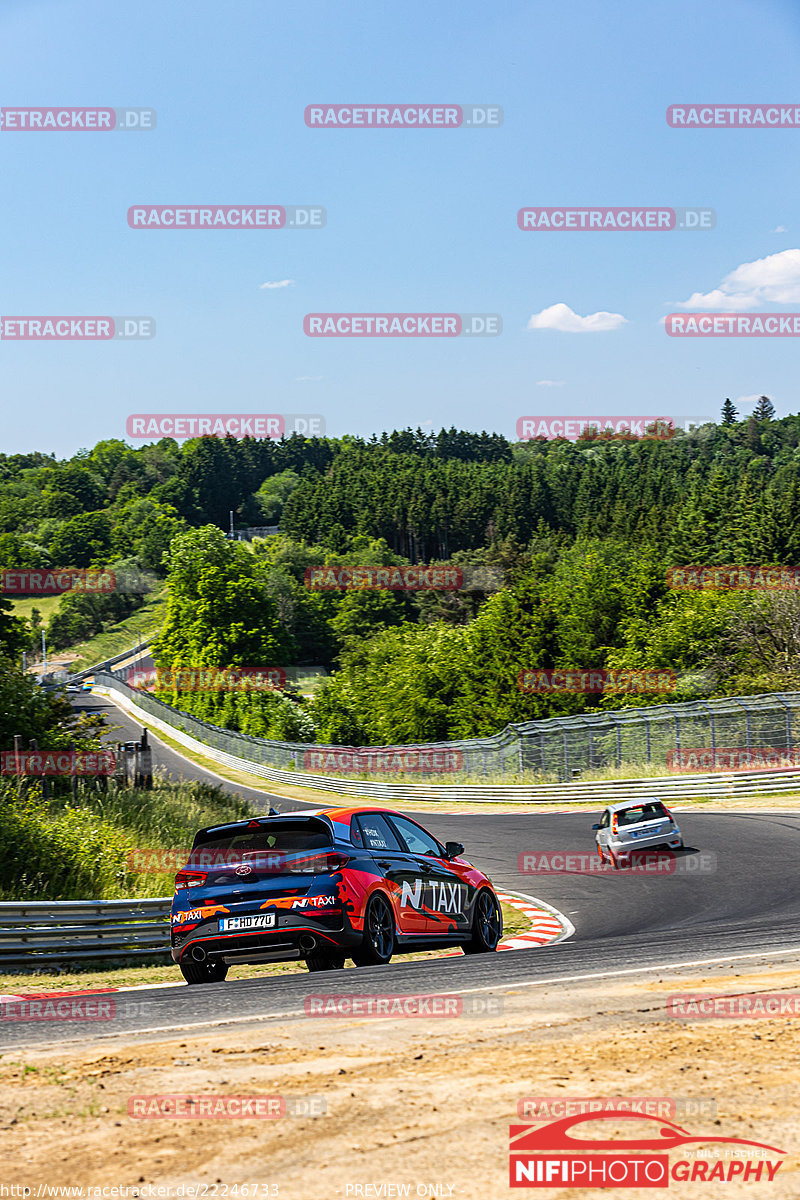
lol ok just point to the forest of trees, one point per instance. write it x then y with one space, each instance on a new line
581 532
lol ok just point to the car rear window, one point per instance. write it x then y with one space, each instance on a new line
288 837
641 812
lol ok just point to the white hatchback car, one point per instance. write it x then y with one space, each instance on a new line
629 827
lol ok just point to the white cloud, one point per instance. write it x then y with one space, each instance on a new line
561 316
308 378
780 229
549 382
281 283
748 399
771 280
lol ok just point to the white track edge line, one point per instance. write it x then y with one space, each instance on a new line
298 1012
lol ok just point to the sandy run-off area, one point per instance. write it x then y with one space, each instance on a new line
406 1106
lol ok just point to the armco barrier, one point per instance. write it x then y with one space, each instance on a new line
47 931
111 662
254 754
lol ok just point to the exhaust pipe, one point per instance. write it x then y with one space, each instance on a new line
198 953
307 943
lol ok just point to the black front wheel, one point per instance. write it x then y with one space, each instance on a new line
204 972
487 924
377 947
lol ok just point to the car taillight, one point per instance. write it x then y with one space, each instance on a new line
189 879
614 823
669 814
319 864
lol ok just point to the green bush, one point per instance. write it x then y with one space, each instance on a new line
67 849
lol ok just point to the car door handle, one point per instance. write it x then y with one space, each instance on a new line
385 862
426 868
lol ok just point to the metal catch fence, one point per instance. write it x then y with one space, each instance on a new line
731 733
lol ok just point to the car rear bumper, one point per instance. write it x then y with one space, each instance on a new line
671 840
261 945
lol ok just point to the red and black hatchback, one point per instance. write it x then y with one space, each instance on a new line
323 886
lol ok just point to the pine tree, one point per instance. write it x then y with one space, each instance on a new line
752 436
764 409
729 412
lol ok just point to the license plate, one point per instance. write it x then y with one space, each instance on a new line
256 921
647 832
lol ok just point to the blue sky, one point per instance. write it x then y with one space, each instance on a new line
417 221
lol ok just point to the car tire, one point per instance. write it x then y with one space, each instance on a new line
204 972
487 924
614 860
377 947
600 853
325 960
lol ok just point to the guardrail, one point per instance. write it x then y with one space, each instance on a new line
110 662
713 785
49 931
562 746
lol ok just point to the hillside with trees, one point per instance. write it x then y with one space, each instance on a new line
581 534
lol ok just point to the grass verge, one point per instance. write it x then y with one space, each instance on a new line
82 849
138 627
47 606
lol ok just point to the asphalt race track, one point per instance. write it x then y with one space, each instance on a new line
748 906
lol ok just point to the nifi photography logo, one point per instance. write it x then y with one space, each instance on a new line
552 1156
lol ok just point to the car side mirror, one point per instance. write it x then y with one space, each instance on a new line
453 849
595 827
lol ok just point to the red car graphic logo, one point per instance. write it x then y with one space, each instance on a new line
556 1136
